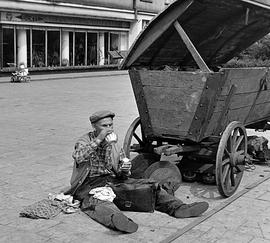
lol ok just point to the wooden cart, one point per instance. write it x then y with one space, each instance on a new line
188 105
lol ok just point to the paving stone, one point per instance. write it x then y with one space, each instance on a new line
259 240
44 119
265 196
235 236
14 235
265 228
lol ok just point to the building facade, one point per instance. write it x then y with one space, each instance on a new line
67 33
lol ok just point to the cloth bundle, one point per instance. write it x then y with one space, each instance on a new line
50 207
103 193
44 209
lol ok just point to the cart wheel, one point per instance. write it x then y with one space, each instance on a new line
134 134
12 80
230 158
166 174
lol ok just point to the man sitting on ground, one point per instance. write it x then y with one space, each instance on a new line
96 163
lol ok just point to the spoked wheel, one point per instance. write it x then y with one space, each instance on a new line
230 159
135 141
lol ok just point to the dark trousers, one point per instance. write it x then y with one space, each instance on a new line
102 211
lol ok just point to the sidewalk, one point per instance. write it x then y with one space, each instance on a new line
57 76
39 124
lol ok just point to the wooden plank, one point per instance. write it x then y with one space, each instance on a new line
243 100
172 98
245 79
169 133
176 121
141 104
193 51
173 79
225 109
233 115
204 112
260 112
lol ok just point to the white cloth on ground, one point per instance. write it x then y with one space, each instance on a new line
103 193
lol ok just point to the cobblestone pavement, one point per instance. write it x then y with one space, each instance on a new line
39 124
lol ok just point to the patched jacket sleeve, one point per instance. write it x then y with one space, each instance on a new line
83 151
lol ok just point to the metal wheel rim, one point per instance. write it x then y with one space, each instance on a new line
229 171
131 132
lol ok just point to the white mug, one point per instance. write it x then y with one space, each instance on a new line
111 138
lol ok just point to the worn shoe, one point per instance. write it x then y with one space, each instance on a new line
123 223
191 210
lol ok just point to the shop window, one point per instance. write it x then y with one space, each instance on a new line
53 48
38 48
106 48
79 48
28 47
114 46
92 48
71 49
8 47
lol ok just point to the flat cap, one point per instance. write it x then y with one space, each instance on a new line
98 115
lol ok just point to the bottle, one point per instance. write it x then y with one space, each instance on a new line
122 154
123 159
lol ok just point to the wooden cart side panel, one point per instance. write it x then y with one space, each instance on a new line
141 104
171 99
248 103
260 109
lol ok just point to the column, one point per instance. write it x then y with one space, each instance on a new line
135 29
123 41
21 47
65 48
101 50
